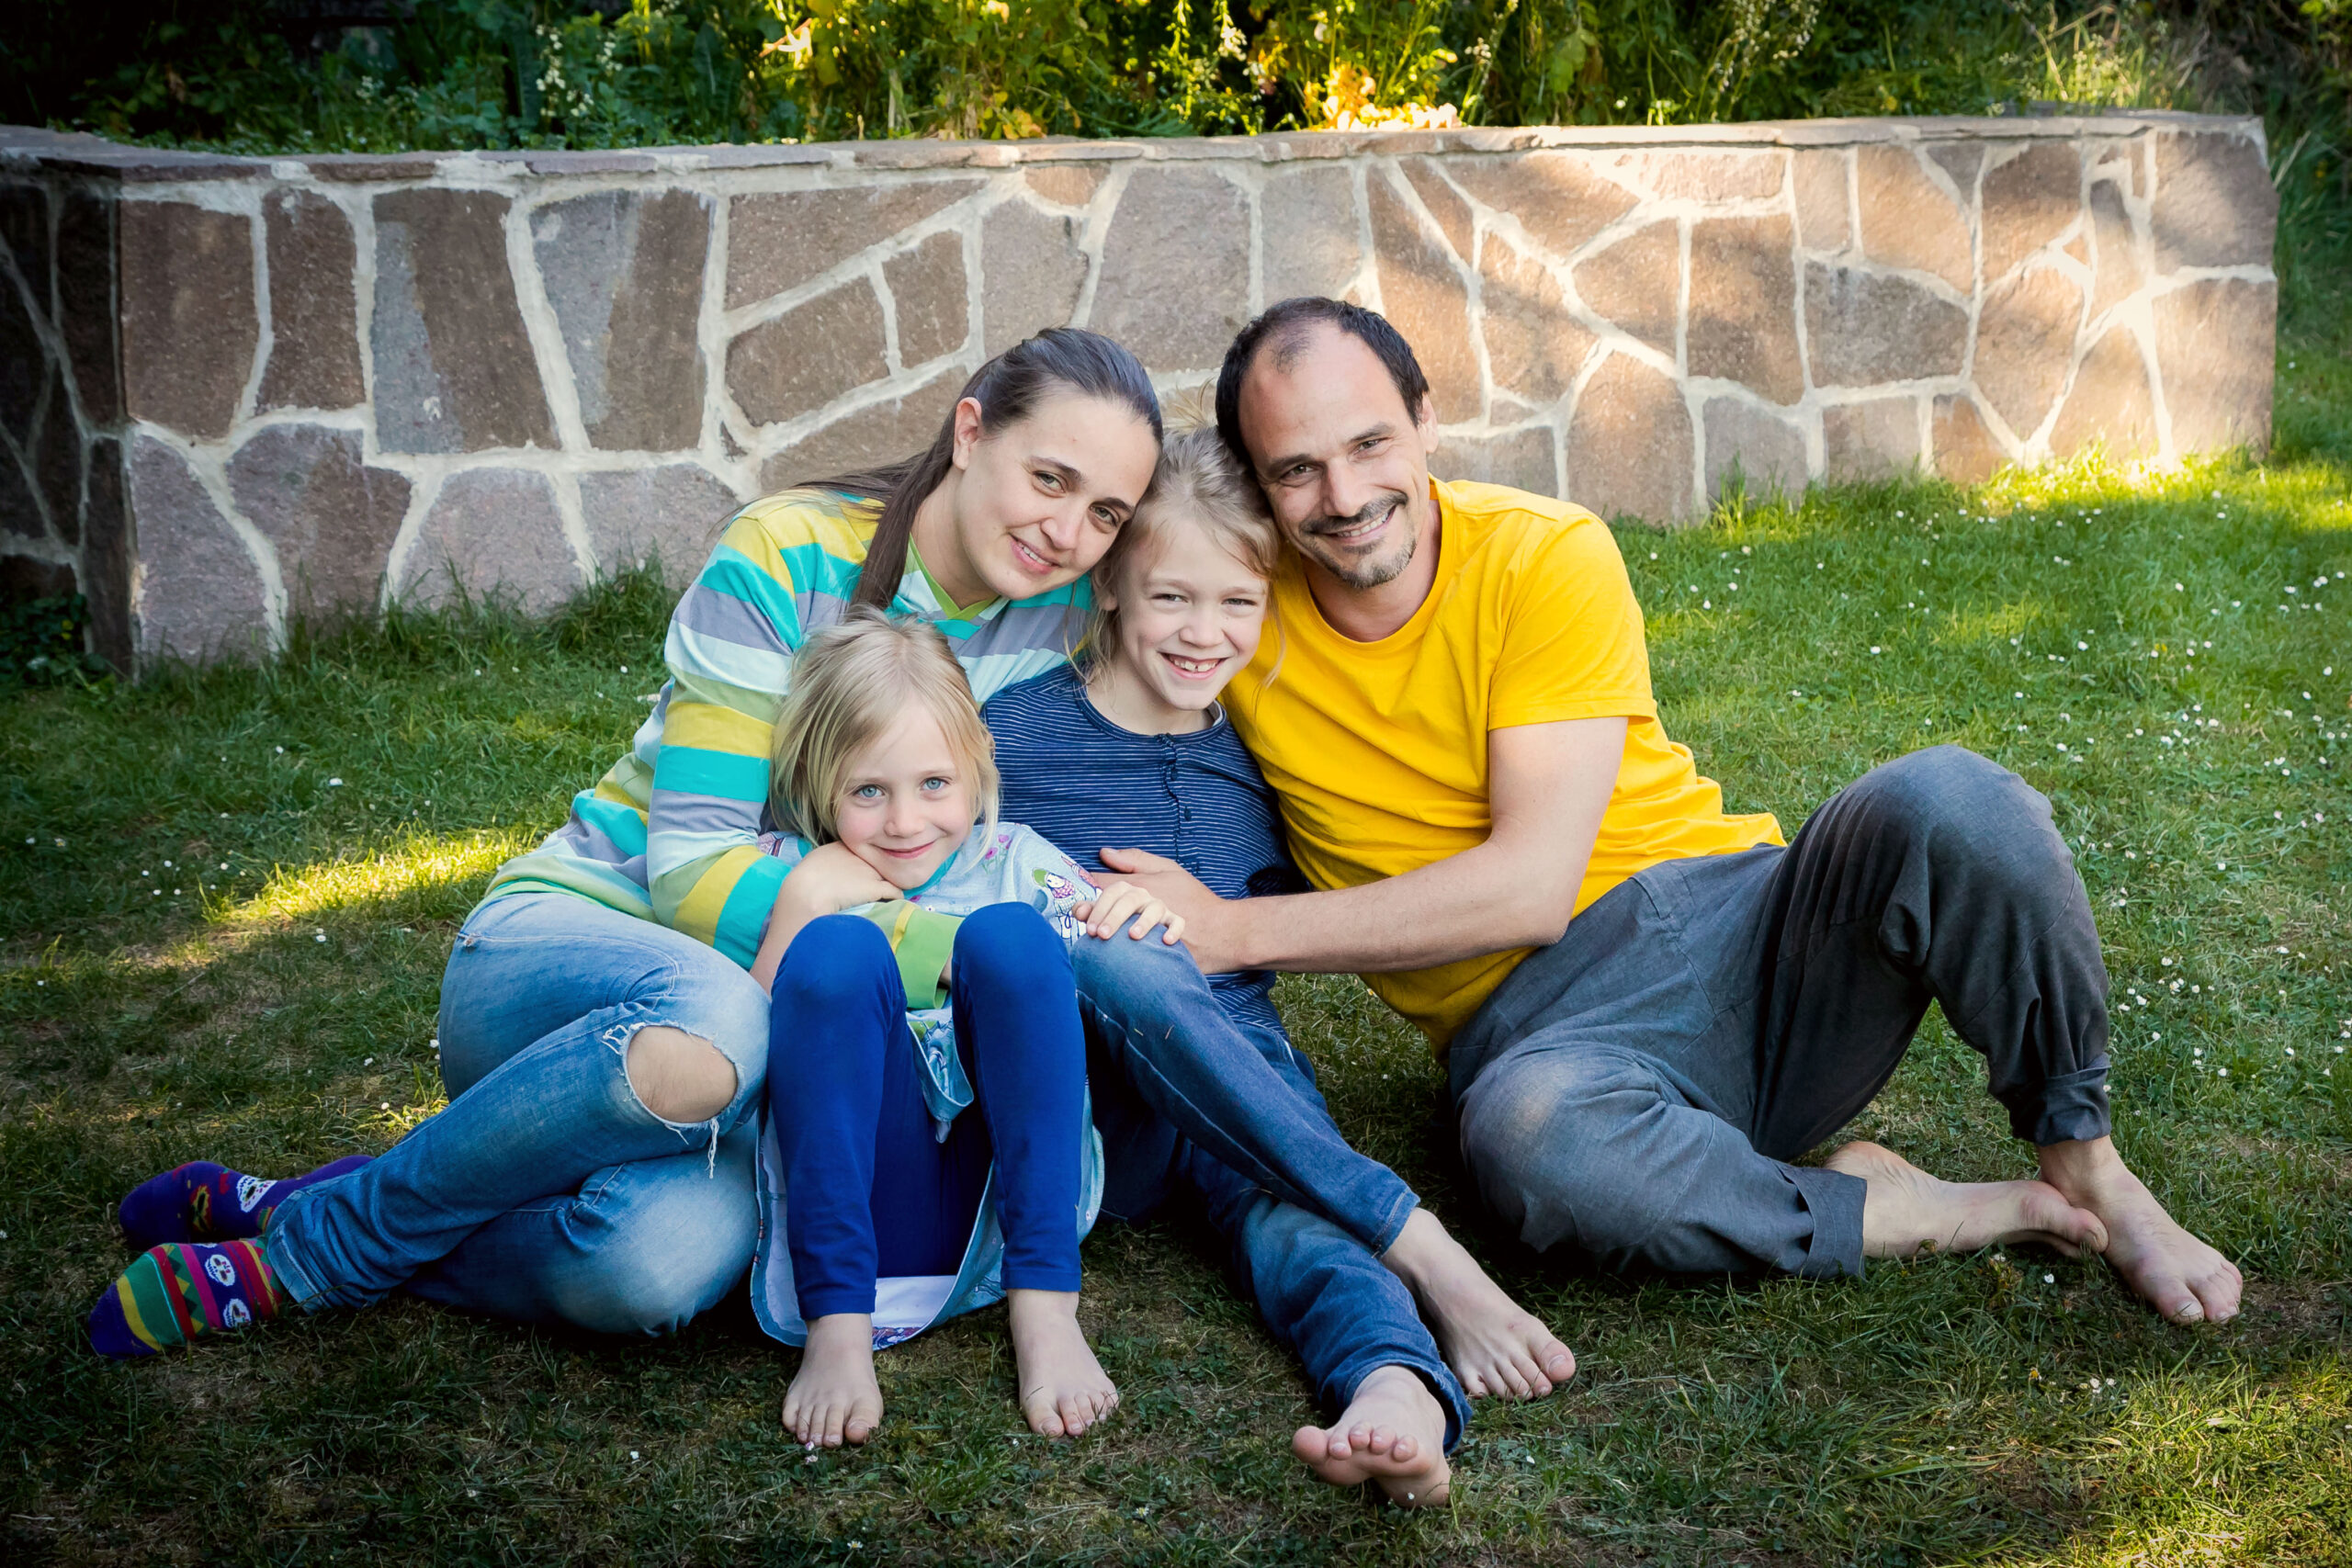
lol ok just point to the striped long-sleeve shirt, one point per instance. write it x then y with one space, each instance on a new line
670 832
1198 799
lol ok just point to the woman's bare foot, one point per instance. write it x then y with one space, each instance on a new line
1494 1345
834 1398
1063 1390
1906 1210
1393 1432
2180 1275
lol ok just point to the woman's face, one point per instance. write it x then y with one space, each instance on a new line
1038 502
905 803
1189 615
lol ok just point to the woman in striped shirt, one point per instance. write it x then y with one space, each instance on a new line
601 1039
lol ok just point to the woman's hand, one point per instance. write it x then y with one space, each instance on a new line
1121 902
828 880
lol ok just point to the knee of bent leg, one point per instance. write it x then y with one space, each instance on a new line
1953 787
679 1077
1122 972
835 961
1551 1142
1006 938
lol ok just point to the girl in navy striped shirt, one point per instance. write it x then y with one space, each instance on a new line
1129 748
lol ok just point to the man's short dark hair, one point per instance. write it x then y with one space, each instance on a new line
1284 328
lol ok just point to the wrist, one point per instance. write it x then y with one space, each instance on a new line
1242 933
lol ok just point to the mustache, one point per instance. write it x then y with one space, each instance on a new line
1370 512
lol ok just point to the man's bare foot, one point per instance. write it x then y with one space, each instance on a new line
1493 1344
834 1398
1063 1390
1906 1210
1393 1431
2181 1276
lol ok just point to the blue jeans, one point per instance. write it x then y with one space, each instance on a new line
1154 1024
547 1192
874 1191
1187 1101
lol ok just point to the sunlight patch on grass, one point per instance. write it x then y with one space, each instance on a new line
399 876
1984 623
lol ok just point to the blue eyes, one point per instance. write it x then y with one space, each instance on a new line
871 793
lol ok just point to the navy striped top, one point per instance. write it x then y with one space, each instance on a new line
1198 799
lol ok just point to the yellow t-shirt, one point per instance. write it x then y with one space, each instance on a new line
1378 749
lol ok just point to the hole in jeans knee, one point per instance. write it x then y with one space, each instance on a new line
681 1078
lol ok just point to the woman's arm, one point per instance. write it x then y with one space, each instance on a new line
730 656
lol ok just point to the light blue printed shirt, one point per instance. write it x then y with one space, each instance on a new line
1000 863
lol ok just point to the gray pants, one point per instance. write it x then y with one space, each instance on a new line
1638 1087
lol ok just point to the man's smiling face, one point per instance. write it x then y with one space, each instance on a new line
1343 462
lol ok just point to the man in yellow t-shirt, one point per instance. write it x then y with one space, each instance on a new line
1648 1007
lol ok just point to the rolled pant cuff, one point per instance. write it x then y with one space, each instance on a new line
1435 1375
292 1278
1835 1202
2070 1109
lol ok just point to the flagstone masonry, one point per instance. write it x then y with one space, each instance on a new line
236 393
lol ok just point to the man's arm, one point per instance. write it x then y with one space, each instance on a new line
1547 785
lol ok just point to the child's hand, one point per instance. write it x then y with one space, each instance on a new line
1120 902
829 879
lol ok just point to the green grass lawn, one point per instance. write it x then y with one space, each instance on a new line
225 900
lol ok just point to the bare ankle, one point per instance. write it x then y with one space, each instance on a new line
2079 1161
1423 1246
1041 1306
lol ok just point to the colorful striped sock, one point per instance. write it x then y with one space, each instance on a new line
204 1202
182 1291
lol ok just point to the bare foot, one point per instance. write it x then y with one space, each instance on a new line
2181 1276
1063 1391
1493 1344
1906 1210
834 1398
1393 1431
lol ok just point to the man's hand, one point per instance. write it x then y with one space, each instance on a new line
1208 919
1547 787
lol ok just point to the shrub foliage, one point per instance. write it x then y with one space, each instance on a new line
291 75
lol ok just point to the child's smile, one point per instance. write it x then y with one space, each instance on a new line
1189 618
906 806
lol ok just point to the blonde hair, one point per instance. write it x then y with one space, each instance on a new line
850 681
1198 485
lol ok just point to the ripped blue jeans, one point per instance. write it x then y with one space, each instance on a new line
547 1192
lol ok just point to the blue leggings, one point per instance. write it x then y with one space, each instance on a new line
872 1191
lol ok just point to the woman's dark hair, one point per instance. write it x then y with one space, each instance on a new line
1287 324
1059 359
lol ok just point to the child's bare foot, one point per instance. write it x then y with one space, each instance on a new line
834 1398
1393 1431
2180 1275
1063 1390
1906 1209
1493 1344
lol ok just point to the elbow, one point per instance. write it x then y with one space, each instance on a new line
1546 923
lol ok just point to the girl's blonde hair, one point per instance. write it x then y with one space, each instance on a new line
1197 484
850 681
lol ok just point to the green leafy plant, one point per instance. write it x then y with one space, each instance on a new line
40 641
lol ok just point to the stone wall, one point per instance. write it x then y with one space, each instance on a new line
239 391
